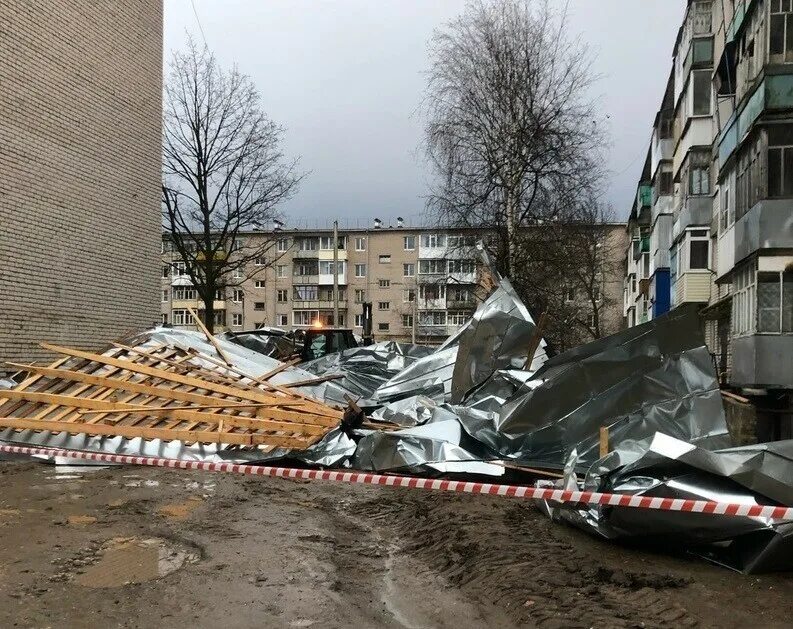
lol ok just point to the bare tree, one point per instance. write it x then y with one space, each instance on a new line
224 174
512 131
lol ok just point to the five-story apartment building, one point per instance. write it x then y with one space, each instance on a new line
725 169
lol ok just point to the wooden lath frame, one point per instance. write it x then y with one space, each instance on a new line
161 393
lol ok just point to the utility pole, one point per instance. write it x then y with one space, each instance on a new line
415 312
336 274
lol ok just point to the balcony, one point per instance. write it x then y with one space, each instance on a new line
644 197
307 279
326 279
768 225
694 212
195 304
431 304
431 278
463 304
314 304
762 361
306 254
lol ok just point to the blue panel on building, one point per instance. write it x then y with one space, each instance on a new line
662 295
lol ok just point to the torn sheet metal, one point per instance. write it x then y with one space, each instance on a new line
434 447
497 337
657 377
412 411
369 367
666 467
275 344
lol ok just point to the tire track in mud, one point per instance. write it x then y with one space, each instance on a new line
510 556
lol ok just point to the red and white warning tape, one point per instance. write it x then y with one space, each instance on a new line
512 491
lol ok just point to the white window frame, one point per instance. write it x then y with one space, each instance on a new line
360 270
409 243
236 319
360 243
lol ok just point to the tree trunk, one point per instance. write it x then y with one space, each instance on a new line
209 311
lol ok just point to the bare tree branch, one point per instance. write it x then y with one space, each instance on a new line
224 174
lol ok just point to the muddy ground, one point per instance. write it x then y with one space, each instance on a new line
141 547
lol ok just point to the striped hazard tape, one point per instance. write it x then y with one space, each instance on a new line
511 491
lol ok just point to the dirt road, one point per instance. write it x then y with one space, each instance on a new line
141 547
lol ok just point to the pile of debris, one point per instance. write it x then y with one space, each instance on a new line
636 413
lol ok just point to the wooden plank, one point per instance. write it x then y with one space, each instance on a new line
210 337
250 395
311 381
134 432
604 441
297 422
279 369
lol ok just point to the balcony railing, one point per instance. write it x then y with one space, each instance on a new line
317 304
645 196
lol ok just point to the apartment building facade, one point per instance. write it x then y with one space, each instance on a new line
423 283
730 249
80 160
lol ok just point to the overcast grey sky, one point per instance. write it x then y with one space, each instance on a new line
345 78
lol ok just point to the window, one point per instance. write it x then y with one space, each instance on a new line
725 220
408 270
409 243
432 318
701 89
460 295
281 270
165 295
258 305
164 319
750 177
236 320
775 302
261 284
179 269
461 266
433 240
385 259
281 296
306 293
360 295
432 291
308 244
360 244
360 270
359 321
384 305
326 243
302 269
326 267
181 317
699 174
166 270
184 293
260 261
781 31
383 327
699 182
282 319
237 273
384 283
702 51
780 160
283 244
432 267
456 318
305 317
236 296
408 295
699 248
673 261
666 185
407 321
460 241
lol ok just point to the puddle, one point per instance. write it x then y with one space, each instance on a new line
126 560
181 510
